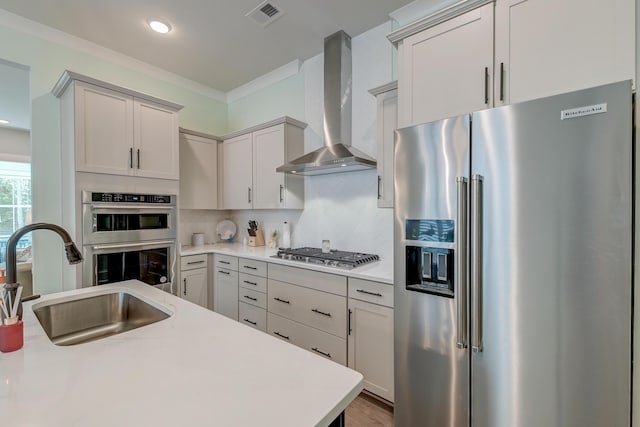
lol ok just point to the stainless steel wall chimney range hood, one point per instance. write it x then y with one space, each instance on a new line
337 154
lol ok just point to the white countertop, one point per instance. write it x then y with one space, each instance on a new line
195 368
380 271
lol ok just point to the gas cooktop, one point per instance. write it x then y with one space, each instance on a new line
333 258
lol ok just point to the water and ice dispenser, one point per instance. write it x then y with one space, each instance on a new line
430 269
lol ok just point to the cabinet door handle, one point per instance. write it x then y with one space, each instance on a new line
315 310
282 300
184 290
249 267
250 283
195 262
486 85
349 322
249 321
131 157
375 294
281 193
224 262
138 158
379 182
502 81
223 272
248 194
281 335
251 298
322 352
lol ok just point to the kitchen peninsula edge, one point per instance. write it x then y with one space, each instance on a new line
194 368
379 271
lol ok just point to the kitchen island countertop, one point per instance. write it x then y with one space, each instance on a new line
380 271
195 368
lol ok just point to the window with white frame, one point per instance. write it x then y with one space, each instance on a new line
15 201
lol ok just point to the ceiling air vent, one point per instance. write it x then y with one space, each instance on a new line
265 13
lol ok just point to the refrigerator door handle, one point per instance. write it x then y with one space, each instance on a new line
461 273
476 263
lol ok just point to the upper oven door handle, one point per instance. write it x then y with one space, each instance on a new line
136 207
133 245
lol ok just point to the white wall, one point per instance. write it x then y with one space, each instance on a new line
15 145
200 221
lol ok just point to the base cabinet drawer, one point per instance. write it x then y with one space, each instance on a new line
252 282
251 266
252 297
253 316
320 310
190 262
374 292
321 343
226 261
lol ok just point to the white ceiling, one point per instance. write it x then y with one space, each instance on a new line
212 41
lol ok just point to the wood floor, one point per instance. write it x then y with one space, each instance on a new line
365 411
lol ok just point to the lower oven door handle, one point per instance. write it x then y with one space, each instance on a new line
133 245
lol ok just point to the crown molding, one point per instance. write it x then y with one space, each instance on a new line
278 121
384 88
199 134
436 18
266 80
69 76
53 35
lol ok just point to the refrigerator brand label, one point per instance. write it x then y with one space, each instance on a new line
587 110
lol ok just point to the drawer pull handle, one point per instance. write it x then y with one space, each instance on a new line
251 298
375 294
249 267
249 321
195 262
223 272
315 310
322 352
250 283
281 335
282 300
224 262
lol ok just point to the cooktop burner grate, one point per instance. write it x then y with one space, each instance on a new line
333 258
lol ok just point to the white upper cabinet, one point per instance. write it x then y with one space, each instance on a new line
155 140
447 69
118 131
198 171
236 165
546 47
387 122
268 154
104 130
249 160
447 65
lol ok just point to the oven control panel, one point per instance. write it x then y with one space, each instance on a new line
131 198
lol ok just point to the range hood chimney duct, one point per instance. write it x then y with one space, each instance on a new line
337 154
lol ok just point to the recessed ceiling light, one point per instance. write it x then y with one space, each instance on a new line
159 26
4 122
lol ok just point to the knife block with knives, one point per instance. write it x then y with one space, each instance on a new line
256 237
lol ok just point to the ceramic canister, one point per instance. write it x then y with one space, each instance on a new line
197 239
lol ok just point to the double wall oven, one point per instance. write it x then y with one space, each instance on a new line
129 236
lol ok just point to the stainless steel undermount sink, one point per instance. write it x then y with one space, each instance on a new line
93 317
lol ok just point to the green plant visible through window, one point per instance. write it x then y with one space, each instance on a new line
15 197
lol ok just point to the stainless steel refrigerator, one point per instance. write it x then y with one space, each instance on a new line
513 265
